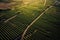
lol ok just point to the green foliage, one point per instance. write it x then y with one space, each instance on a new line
44 28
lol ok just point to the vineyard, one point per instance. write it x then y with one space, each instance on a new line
31 20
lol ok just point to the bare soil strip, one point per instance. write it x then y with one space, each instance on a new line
34 22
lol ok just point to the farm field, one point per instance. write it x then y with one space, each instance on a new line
30 20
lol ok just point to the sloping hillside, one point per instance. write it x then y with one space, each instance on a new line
31 20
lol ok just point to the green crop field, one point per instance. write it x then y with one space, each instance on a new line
24 17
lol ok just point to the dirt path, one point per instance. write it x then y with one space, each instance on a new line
34 22
10 19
